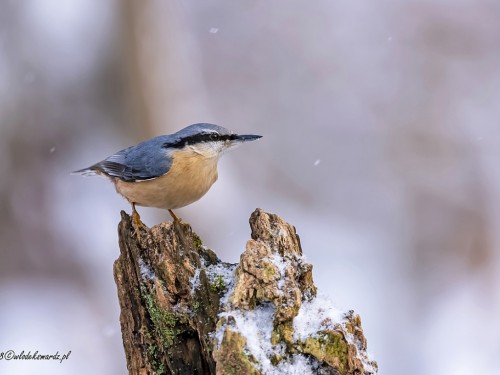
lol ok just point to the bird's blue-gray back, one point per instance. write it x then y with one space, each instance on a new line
144 161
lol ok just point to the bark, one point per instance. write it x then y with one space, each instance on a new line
183 311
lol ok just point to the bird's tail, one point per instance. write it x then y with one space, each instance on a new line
85 172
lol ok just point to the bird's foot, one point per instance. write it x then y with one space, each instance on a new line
137 223
174 216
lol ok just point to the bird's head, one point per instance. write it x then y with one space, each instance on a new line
208 140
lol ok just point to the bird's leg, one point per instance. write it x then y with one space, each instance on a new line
136 222
173 215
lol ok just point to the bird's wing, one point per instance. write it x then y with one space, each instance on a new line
145 161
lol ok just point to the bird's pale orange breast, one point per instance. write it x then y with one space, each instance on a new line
189 178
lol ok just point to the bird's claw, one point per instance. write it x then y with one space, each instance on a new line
174 216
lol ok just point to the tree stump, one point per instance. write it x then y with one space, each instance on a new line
184 311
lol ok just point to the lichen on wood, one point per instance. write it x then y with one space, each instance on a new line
183 311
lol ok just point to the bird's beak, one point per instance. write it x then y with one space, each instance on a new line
245 138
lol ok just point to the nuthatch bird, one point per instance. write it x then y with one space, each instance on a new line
168 171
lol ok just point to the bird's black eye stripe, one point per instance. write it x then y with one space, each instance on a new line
198 138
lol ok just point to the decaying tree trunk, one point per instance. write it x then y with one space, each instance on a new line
183 311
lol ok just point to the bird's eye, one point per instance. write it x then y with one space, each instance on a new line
214 137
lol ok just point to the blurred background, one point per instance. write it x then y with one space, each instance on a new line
381 145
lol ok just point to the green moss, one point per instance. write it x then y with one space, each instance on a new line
269 271
197 242
164 322
218 285
231 357
275 337
154 355
330 347
283 332
276 359
354 323
196 305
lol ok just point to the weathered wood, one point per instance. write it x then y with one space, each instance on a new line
183 311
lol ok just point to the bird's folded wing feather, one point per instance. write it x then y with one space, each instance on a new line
145 161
